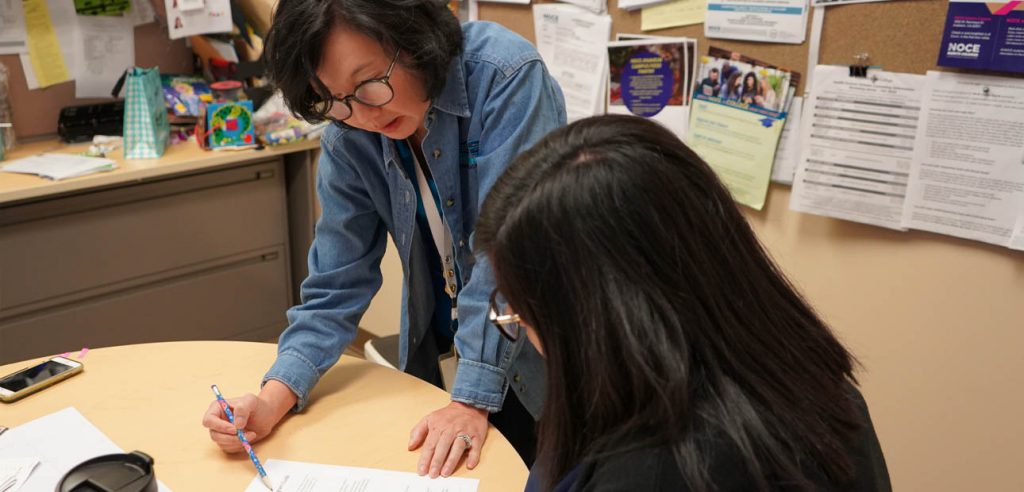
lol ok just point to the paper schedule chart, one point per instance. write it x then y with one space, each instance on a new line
857 146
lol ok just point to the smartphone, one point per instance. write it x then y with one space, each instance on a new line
16 386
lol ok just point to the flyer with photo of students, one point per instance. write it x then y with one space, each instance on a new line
736 119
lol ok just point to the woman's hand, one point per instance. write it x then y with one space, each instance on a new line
438 434
255 415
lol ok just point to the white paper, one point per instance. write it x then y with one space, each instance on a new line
106 48
13 38
190 5
225 49
572 43
968 178
787 155
1017 241
523 2
636 4
770 21
49 439
14 472
857 143
595 6
294 476
58 166
818 3
214 17
141 12
30 73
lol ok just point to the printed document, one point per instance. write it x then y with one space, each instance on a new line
572 41
787 156
857 144
13 38
294 476
968 176
105 49
769 21
1017 241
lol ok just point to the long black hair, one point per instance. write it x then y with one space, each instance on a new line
659 312
426 32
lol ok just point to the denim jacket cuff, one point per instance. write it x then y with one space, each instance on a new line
297 373
478 384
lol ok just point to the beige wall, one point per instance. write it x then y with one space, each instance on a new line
937 322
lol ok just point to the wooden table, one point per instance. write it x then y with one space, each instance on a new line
151 397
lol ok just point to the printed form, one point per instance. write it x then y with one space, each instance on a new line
295 476
857 145
572 41
968 177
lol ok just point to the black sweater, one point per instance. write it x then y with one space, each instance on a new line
655 468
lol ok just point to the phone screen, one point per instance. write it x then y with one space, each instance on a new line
33 375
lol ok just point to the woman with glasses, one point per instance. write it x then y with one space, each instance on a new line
427 114
678 355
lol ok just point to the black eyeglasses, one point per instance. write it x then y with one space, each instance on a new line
507 324
373 92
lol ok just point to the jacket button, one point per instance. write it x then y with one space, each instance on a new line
522 388
515 378
462 244
437 153
450 202
408 197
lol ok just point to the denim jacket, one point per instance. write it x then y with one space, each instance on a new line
497 102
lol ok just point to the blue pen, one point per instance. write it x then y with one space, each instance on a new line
241 437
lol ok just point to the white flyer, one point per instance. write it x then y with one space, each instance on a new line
636 4
769 21
105 49
1017 241
141 12
819 3
968 176
572 41
296 476
13 38
595 6
214 17
787 155
857 145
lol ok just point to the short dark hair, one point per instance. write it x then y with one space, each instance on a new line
426 32
660 313
714 70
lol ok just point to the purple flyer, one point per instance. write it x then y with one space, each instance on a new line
984 36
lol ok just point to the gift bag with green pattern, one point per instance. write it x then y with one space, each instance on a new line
146 128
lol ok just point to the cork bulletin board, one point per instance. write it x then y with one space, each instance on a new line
899 36
35 112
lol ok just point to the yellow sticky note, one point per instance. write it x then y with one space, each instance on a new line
673 14
43 47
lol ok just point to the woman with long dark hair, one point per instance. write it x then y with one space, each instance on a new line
678 355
